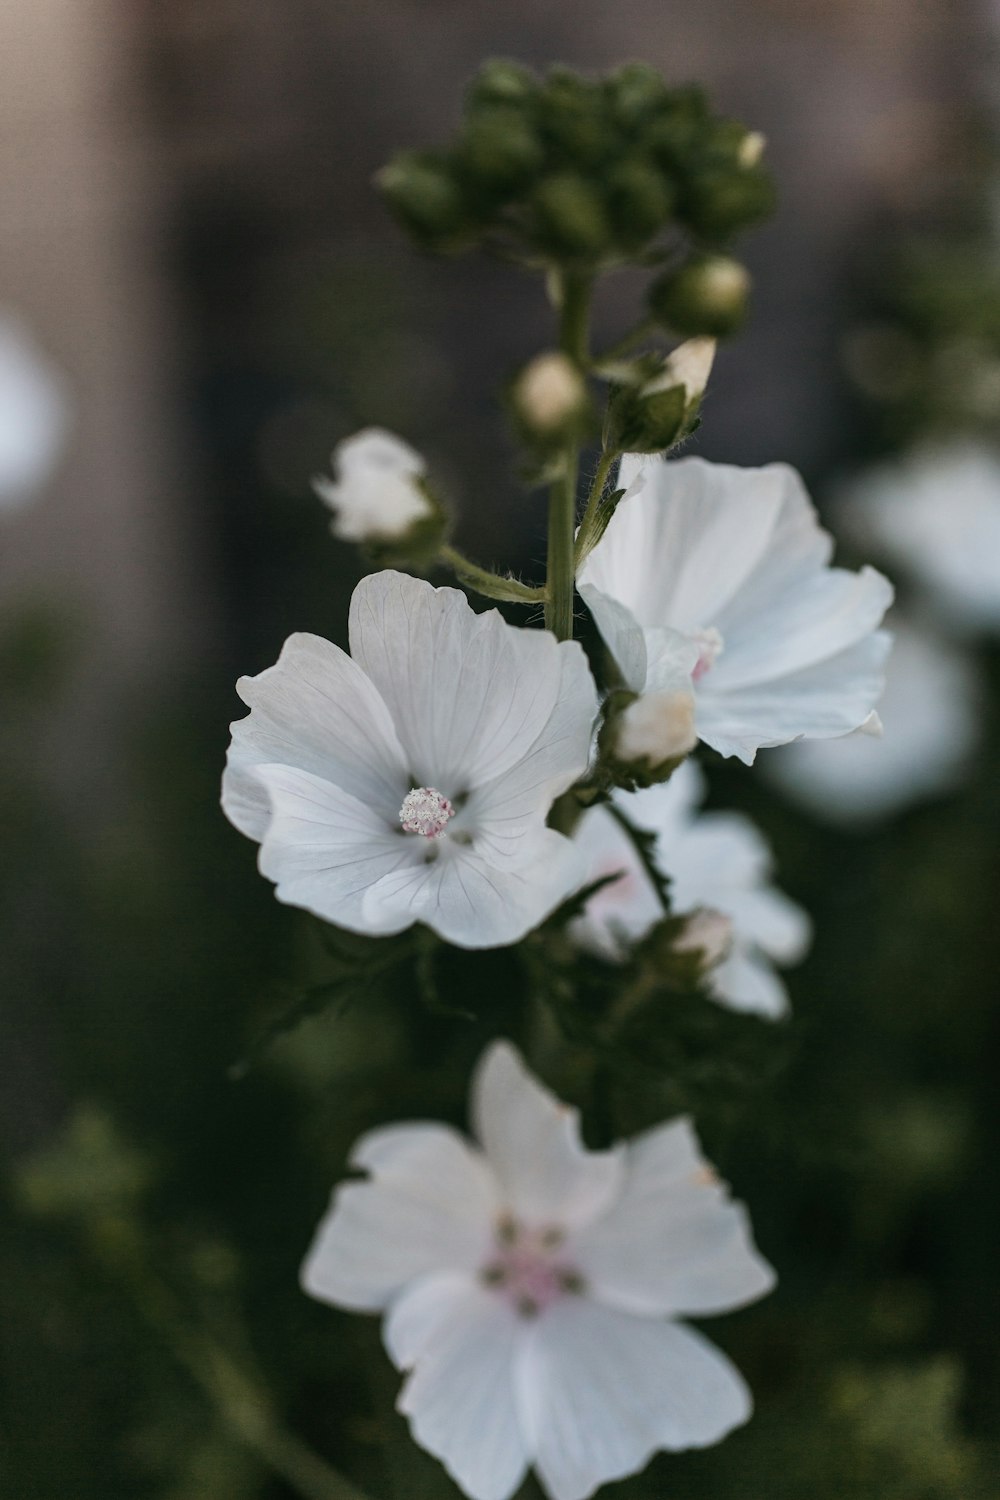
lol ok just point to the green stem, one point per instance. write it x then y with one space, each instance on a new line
493 585
604 467
625 345
574 313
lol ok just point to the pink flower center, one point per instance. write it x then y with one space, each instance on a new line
529 1268
425 811
710 645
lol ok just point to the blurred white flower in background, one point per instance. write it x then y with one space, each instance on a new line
937 512
733 563
411 781
375 493
531 1287
34 414
718 863
930 715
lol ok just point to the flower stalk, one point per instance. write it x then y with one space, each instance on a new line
573 291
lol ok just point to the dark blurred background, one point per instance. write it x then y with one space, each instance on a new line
188 225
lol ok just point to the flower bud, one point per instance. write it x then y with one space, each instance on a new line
570 216
645 736
708 295
689 365
634 93
639 202
708 932
376 494
573 119
499 148
422 192
550 395
751 148
719 202
500 81
651 414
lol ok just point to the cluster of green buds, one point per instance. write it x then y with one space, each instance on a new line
581 174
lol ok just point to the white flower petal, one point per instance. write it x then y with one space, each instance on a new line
745 981
931 715
429 1207
672 1242
677 551
824 614
34 414
486 895
624 911
324 849
622 634
314 709
464 1342
827 699
533 1144
557 758
603 1391
469 694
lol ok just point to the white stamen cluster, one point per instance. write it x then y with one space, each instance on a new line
426 812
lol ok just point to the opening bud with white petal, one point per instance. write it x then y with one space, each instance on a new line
645 736
690 366
656 404
549 397
379 497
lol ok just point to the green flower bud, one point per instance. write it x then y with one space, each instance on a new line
718 203
500 81
646 423
499 149
573 119
639 202
634 92
570 216
677 129
421 191
708 295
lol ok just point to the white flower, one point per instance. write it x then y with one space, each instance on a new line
716 862
733 564
531 1287
938 513
375 495
34 415
930 713
410 781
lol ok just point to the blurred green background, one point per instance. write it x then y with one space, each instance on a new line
189 228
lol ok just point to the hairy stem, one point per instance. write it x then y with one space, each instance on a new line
574 312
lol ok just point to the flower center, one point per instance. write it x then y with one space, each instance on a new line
529 1268
425 811
710 645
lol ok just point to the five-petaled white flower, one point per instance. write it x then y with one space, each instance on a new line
930 714
937 512
34 414
375 495
729 569
410 781
531 1287
716 862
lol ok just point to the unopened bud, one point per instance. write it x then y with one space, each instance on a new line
549 395
424 196
639 202
570 216
706 296
708 932
656 728
500 81
635 91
